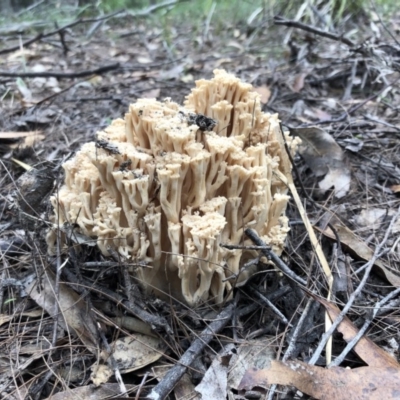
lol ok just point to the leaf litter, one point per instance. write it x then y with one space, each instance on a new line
340 96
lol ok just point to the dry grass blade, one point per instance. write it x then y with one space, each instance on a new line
318 250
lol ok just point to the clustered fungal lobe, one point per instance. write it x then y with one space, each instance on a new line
162 190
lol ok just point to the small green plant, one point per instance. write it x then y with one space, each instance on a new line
8 301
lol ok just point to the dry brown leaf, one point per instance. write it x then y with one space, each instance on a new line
249 354
20 140
23 53
173 73
144 60
395 188
29 141
358 248
214 384
366 349
101 373
132 324
325 157
74 313
91 392
184 389
151 94
264 93
298 83
371 217
130 354
317 114
327 384
37 312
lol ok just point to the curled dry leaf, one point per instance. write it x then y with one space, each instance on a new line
130 354
74 315
324 157
101 373
327 384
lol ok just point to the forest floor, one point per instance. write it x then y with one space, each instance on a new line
60 85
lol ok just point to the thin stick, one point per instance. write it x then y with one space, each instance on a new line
252 235
292 342
172 377
308 28
352 298
61 75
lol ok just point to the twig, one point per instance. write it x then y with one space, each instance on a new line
242 247
154 7
350 82
295 24
24 44
51 33
252 235
52 96
292 342
368 266
339 359
384 25
113 364
172 377
120 13
270 305
141 385
62 40
297 330
61 75
354 108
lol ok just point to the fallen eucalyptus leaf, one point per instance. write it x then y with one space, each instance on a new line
214 384
359 249
324 157
327 384
130 353
365 348
74 314
91 392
